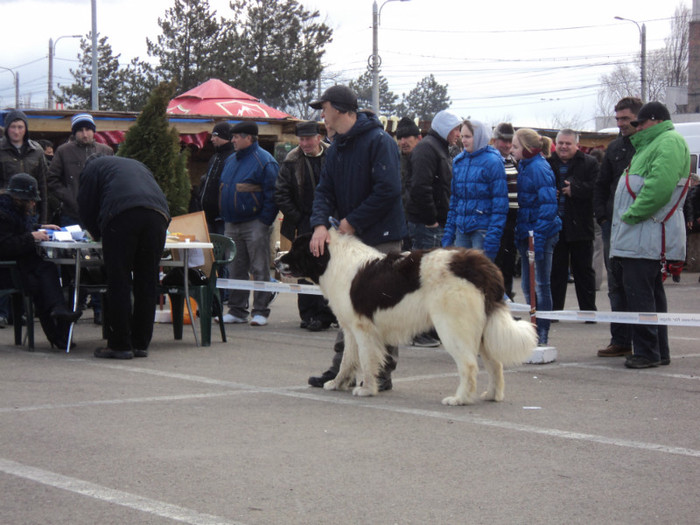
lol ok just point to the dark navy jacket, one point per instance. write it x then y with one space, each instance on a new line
361 182
111 185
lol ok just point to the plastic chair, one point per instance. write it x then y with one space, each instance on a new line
21 303
207 296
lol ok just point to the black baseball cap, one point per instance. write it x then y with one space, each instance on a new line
342 98
651 111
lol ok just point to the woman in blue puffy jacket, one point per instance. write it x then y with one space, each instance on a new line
537 213
479 199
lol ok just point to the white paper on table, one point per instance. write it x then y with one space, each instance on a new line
73 228
62 236
196 258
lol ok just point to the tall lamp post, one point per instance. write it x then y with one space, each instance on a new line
376 13
643 41
16 75
52 53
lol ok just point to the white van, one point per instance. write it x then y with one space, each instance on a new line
691 134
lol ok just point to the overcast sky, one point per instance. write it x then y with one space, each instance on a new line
527 62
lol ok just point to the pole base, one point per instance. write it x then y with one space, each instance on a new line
541 355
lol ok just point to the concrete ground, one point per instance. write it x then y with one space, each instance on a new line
232 434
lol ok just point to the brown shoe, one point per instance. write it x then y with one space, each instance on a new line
615 351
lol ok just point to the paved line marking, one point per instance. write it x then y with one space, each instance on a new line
118 497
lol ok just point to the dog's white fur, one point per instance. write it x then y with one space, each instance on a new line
454 306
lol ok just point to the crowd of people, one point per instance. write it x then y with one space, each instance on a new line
499 192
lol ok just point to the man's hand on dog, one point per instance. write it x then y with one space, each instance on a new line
319 240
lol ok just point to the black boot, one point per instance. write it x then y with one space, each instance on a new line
384 377
62 313
338 347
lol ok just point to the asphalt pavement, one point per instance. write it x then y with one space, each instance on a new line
232 433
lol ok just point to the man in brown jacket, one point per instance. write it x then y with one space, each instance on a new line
69 160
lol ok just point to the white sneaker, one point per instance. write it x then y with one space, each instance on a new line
232 319
258 320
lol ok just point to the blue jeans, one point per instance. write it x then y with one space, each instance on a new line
473 239
543 288
424 238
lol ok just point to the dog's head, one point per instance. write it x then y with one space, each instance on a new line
300 262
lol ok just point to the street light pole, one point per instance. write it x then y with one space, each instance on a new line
643 57
52 53
376 60
16 76
95 100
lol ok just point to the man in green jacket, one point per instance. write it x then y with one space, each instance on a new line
648 226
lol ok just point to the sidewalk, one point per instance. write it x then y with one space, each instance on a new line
232 433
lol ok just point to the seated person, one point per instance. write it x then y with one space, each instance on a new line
18 238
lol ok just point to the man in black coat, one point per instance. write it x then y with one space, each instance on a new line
18 242
121 203
209 184
294 196
575 174
617 157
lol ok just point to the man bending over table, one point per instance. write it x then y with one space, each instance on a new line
121 203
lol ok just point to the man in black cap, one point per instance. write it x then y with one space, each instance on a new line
18 237
648 227
209 184
248 208
370 207
294 195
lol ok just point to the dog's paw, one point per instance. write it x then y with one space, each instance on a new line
330 385
362 391
492 395
455 401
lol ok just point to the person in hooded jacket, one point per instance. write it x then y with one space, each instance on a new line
537 213
479 199
361 186
430 184
20 154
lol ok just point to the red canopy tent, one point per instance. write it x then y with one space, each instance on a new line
215 97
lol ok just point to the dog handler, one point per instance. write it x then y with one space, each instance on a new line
361 185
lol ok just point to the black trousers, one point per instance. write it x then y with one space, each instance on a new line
507 252
579 255
132 245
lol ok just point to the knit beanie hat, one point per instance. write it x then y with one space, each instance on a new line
444 122
406 128
222 130
82 120
504 131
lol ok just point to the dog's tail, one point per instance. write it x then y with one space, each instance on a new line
507 340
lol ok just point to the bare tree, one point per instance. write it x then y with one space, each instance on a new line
664 68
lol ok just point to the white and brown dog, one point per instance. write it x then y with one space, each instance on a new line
388 299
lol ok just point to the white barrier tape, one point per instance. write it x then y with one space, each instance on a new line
670 319
261 286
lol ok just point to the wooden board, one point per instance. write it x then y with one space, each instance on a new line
193 224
